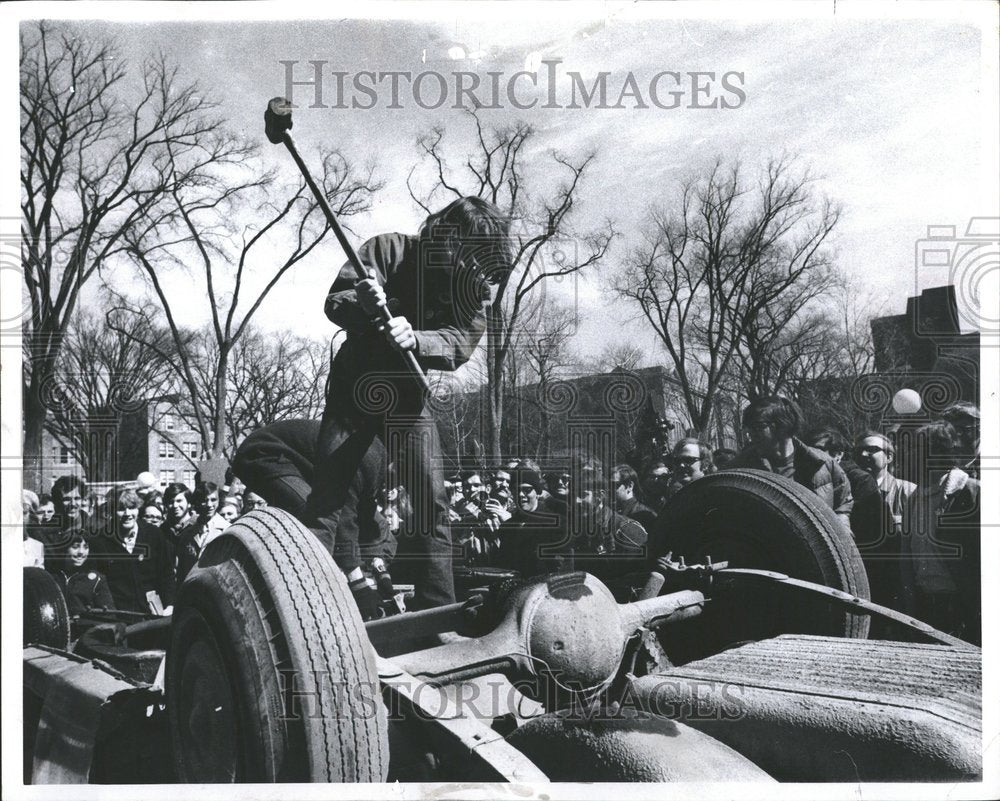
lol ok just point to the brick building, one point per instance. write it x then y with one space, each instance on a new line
152 437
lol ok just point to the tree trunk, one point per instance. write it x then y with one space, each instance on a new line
34 426
494 384
219 422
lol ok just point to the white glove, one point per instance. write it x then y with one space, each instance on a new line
954 481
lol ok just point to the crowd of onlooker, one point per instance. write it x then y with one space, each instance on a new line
128 549
907 495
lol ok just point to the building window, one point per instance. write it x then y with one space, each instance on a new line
167 476
63 454
166 449
189 478
168 422
191 449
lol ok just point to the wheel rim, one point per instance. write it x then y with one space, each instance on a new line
206 710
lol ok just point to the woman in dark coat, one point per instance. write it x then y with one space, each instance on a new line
135 557
82 584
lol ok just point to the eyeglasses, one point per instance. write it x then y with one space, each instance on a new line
686 461
559 479
869 450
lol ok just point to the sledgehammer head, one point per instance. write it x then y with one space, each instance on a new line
277 119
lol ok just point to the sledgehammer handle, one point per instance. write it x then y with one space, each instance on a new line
352 256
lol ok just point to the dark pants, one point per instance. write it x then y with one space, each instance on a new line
411 442
278 463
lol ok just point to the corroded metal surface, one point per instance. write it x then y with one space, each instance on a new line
459 728
629 746
74 695
828 709
568 628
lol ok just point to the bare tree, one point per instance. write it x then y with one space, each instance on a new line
622 356
94 149
213 232
724 255
101 376
274 376
546 244
456 405
841 353
544 349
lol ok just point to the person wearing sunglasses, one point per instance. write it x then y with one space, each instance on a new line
690 459
628 497
876 520
874 453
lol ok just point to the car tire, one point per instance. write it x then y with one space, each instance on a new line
46 617
270 675
756 519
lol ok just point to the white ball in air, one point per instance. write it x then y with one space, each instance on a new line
906 401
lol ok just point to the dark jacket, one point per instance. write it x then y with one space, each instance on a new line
279 450
639 512
604 543
528 540
447 312
188 547
130 576
84 588
814 469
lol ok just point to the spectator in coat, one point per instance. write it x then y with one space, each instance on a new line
151 513
178 511
877 518
83 585
628 497
864 489
46 509
964 417
201 529
530 527
136 558
590 536
69 495
773 424
603 542
690 459
941 552
500 488
723 457
656 484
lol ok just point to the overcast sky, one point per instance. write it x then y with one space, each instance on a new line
888 113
